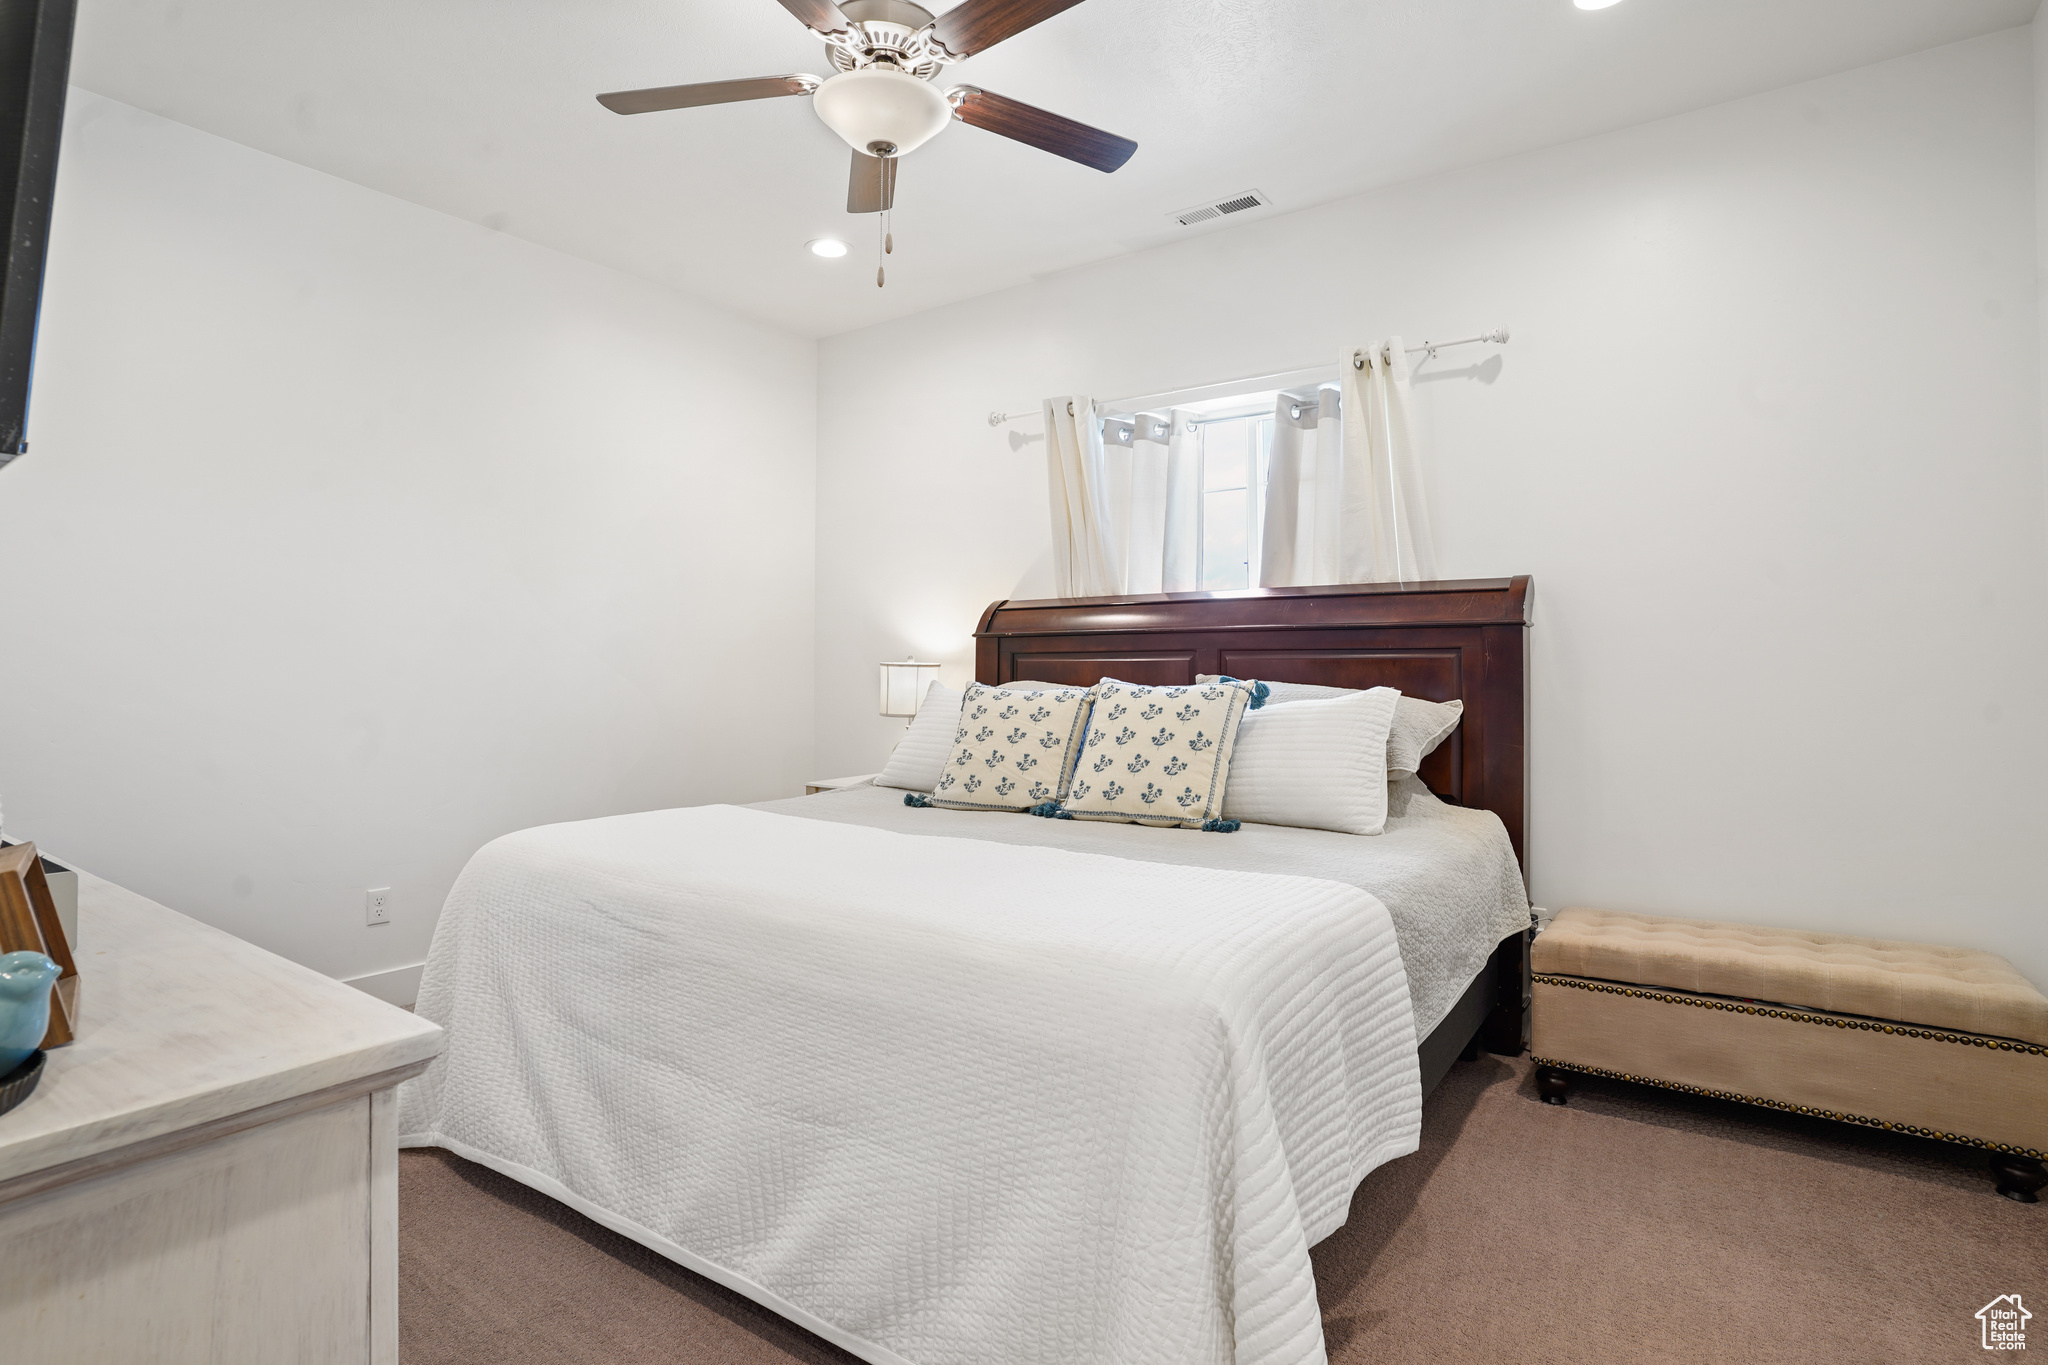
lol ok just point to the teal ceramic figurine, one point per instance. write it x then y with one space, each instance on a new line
25 981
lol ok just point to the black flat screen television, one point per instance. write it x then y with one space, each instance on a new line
35 67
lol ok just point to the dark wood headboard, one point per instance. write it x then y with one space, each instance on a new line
1442 641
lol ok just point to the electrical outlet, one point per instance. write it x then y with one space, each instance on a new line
377 905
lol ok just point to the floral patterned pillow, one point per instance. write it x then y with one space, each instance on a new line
1157 755
1014 749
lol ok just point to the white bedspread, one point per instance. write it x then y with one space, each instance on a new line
1447 874
938 1100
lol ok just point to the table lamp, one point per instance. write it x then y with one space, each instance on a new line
904 686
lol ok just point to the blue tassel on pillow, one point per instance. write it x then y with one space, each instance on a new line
1050 810
1259 694
917 799
1220 826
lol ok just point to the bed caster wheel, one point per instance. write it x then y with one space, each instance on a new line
1552 1084
2018 1177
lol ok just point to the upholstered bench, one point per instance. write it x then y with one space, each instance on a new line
1946 1043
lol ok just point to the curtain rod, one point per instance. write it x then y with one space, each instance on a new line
1498 336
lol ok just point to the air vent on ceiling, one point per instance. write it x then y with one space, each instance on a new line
1218 208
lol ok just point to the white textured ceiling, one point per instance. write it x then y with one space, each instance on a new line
483 109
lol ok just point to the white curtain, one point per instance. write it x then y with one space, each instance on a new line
1299 543
1344 495
1126 500
1073 462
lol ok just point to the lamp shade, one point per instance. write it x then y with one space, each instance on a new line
904 686
875 104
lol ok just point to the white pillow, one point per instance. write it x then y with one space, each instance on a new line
1419 726
920 756
1013 748
1318 764
926 745
1158 755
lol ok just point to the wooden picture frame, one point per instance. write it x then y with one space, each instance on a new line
28 922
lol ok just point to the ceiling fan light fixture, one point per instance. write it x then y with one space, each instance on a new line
1595 4
829 247
876 104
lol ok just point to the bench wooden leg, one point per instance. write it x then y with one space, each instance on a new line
2018 1177
1552 1084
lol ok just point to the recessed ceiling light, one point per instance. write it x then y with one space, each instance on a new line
1595 4
827 246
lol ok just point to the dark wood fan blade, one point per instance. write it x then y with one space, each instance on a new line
819 16
709 92
974 25
1036 128
871 187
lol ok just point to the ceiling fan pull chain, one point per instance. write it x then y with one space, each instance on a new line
888 237
881 232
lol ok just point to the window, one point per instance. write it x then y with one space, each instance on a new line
1235 448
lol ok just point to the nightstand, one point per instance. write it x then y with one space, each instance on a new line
833 784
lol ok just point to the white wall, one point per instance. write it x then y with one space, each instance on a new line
353 535
2039 31
1766 437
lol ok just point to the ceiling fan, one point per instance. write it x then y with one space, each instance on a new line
882 101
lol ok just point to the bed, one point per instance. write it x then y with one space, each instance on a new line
953 1086
1462 640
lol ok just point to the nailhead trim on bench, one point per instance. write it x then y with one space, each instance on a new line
1796 1016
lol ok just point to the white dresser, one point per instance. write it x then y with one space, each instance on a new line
210 1172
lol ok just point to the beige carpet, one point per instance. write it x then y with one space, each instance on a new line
1630 1226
